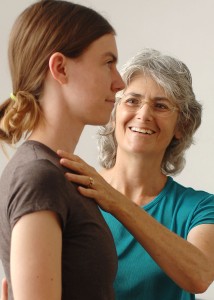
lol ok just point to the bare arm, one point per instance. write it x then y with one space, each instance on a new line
36 257
189 263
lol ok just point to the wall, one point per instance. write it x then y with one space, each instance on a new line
183 29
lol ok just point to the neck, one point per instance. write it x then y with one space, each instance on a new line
58 135
140 180
60 126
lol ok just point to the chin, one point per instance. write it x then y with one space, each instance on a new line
101 122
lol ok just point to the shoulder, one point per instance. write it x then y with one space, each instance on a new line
39 173
197 205
189 193
37 185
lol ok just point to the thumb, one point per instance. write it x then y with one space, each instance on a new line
4 290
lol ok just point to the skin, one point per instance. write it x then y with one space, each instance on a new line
4 290
189 263
145 150
86 84
66 98
153 144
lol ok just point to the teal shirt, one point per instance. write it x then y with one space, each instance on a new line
139 278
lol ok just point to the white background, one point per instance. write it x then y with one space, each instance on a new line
184 29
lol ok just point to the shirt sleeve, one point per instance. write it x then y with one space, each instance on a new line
204 212
36 186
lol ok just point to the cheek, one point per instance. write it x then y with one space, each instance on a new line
102 77
121 123
122 116
119 126
170 124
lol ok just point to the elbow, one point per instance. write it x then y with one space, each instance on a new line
199 285
199 288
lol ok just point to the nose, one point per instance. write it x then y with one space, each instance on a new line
117 82
145 111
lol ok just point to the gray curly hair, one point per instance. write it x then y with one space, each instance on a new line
175 78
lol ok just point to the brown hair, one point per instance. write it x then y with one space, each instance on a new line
42 29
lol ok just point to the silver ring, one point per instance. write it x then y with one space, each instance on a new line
91 182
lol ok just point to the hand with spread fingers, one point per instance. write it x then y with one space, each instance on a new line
92 184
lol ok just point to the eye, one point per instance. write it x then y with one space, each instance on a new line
132 101
109 63
161 106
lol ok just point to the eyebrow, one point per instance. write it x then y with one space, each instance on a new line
142 96
133 94
112 55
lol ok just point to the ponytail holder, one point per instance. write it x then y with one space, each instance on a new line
13 97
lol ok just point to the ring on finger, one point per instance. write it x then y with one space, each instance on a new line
91 182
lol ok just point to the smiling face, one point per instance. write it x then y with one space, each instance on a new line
94 81
146 130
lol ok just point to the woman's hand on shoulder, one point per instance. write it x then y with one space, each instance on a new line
92 184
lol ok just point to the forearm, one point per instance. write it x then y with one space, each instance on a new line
190 265
182 261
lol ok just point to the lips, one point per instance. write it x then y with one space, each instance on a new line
142 130
110 100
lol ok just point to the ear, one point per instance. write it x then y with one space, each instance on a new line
57 66
178 134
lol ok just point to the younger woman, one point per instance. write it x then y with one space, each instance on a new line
55 244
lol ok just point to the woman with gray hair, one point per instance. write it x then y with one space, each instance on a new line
163 231
175 79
